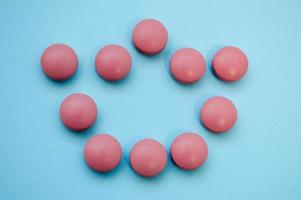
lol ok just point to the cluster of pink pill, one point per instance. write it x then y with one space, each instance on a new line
148 157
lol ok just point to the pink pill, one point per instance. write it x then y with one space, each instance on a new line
150 36
230 64
78 112
189 151
218 114
102 152
148 157
59 62
113 62
187 65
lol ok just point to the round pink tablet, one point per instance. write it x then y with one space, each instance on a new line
218 114
102 152
150 36
187 65
113 62
230 64
189 151
59 62
78 112
148 157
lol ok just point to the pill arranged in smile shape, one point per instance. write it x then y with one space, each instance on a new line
230 64
102 152
148 157
189 151
150 36
78 112
187 65
59 62
113 62
218 114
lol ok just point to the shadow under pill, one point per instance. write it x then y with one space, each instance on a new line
105 175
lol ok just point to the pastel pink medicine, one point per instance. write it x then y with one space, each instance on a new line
189 151
230 63
218 114
102 152
150 36
148 157
78 112
113 62
59 62
187 65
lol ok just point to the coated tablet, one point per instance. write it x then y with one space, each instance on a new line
148 157
187 65
189 151
78 112
113 62
102 152
230 63
59 62
218 114
150 36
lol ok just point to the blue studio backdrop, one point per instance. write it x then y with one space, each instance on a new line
260 158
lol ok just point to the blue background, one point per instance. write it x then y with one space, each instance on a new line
259 159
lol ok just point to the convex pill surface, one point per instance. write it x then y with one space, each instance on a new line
230 64
59 62
187 65
78 112
218 114
113 62
148 157
189 151
102 152
150 36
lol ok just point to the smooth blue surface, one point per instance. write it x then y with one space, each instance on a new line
259 159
